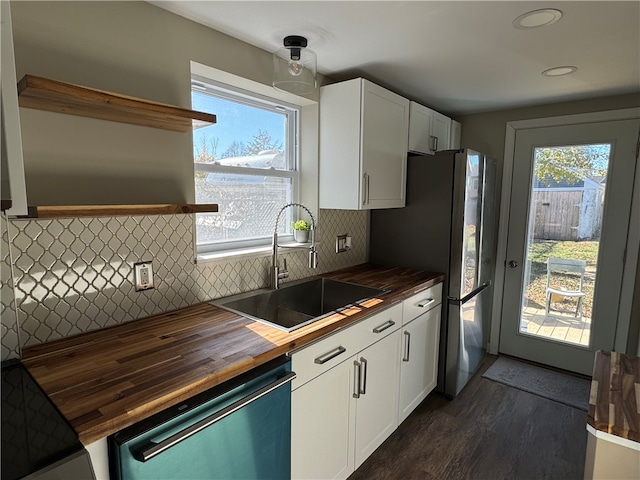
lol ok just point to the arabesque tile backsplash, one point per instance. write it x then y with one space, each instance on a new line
68 276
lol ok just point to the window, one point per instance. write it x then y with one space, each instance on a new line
246 163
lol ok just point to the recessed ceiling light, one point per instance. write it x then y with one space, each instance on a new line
557 71
537 18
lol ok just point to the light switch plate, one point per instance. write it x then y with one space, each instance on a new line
143 274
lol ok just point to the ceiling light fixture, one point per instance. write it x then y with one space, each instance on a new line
558 71
295 67
537 18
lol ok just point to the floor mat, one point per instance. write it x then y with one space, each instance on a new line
561 387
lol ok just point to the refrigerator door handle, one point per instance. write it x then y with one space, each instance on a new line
472 294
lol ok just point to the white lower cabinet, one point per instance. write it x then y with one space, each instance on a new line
342 414
419 367
419 352
356 386
322 425
377 407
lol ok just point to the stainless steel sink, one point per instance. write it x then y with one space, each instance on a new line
295 306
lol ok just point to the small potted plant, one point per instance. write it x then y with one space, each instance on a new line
301 231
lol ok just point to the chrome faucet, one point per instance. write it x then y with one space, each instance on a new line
276 273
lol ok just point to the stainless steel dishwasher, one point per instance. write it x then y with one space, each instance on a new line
240 429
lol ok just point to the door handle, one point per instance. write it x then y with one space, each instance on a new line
365 188
471 294
513 264
363 390
434 142
368 189
407 346
384 326
330 355
425 302
154 449
357 374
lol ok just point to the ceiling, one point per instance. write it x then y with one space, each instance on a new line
456 57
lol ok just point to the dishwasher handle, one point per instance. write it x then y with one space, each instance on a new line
154 449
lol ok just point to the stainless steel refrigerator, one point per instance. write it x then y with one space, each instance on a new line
447 226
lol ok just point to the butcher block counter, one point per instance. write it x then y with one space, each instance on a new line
613 443
106 380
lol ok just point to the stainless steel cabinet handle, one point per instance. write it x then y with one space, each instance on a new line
156 448
425 302
434 141
407 346
330 355
368 189
365 188
384 326
363 390
435 146
357 375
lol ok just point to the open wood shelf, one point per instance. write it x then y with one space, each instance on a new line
75 211
54 96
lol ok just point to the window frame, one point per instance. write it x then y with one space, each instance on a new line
292 113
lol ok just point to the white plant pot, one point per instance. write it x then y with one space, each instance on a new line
301 236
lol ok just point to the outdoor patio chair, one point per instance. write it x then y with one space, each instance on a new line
564 265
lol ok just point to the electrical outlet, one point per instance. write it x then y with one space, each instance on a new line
343 243
143 273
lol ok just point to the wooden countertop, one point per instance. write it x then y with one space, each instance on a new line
614 401
106 380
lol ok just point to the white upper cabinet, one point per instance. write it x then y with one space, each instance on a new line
363 146
430 131
420 126
454 137
441 131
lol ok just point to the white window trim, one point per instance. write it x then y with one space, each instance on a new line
307 168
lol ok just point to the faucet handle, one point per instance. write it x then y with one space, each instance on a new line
284 265
313 257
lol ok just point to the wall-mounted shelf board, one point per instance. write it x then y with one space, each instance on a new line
54 96
75 211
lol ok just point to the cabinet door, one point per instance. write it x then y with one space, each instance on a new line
385 124
322 425
419 366
377 407
420 125
441 130
340 145
454 137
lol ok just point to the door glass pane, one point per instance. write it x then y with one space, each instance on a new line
471 220
563 237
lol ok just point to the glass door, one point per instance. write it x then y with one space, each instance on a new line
569 217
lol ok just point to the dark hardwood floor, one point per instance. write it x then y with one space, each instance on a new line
490 431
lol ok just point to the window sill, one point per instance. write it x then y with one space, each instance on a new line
246 253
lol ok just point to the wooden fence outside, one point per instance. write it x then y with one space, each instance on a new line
557 215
